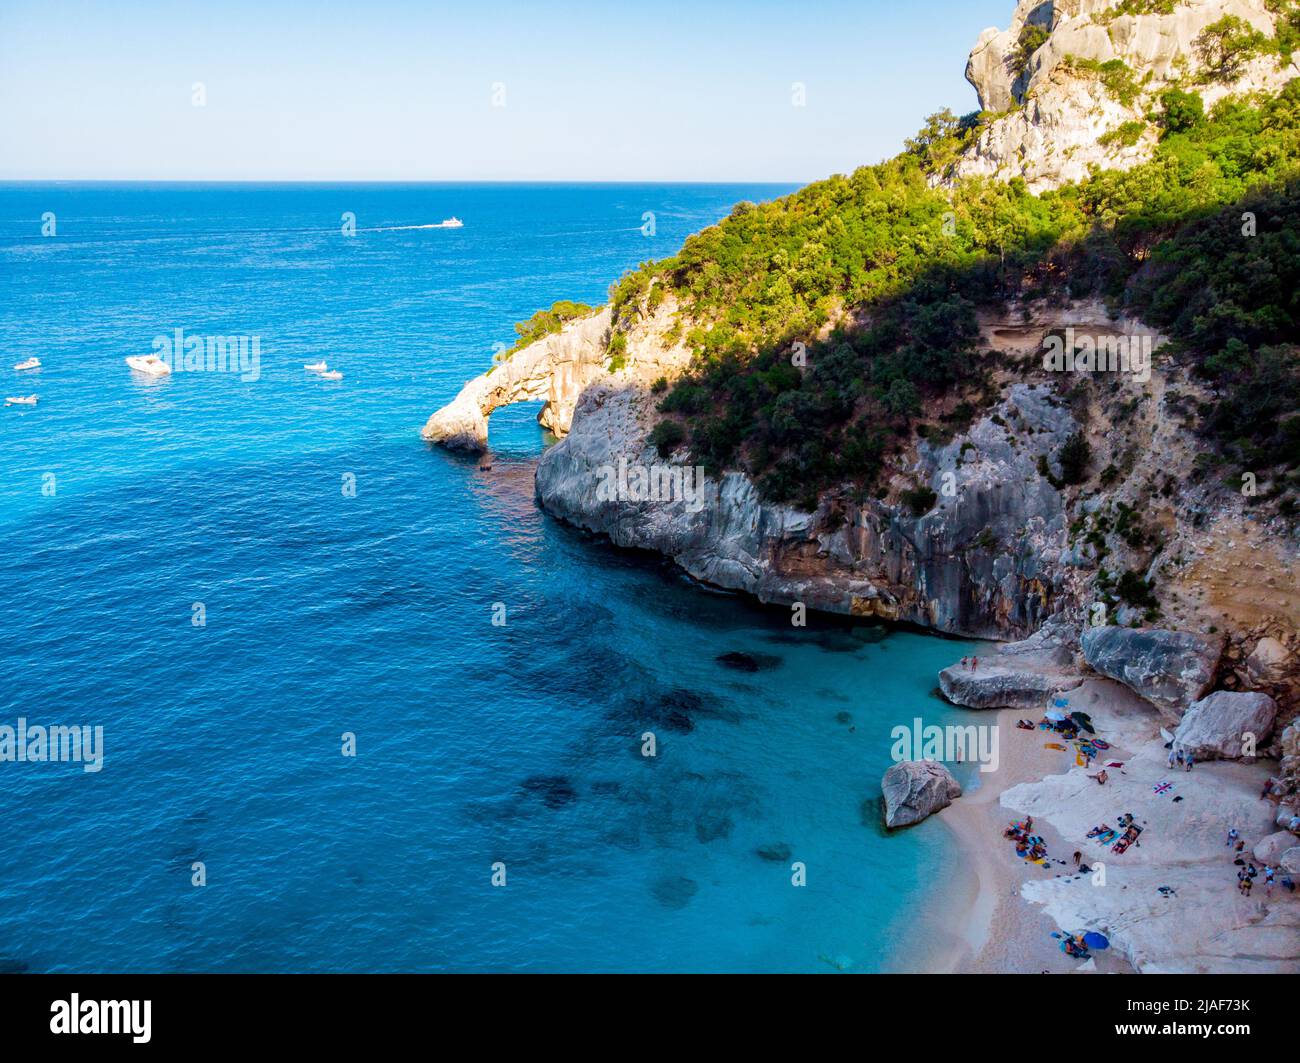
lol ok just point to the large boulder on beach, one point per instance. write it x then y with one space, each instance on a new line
1270 849
1171 669
1289 861
1000 685
915 789
1215 728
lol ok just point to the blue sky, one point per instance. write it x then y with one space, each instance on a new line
398 90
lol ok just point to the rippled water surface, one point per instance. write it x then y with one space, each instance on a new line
124 502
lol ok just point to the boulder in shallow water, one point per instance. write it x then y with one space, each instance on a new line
555 791
748 662
1171 669
780 853
1214 727
915 789
674 891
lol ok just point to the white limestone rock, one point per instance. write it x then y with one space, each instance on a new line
915 789
1171 669
1059 111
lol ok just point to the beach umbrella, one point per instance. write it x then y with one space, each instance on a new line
1084 721
1095 941
1056 717
1060 703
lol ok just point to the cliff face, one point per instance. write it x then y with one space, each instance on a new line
985 561
975 535
1060 114
990 556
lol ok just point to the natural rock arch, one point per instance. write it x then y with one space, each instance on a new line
554 370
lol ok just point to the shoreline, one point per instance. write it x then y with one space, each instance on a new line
978 921
1005 909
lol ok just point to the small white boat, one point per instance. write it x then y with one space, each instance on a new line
31 363
451 223
333 374
21 400
149 364
316 367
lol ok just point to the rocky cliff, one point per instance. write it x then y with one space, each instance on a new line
1071 83
973 532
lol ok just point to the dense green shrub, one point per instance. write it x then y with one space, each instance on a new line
919 500
667 436
545 322
1181 110
881 275
1073 459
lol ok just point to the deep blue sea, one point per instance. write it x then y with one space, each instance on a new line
130 508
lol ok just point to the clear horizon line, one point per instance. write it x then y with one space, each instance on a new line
407 181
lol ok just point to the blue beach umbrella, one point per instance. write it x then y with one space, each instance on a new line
1095 941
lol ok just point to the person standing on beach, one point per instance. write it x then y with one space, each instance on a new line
1232 836
1190 761
1171 759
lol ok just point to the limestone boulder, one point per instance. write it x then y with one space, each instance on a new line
1000 685
1171 669
1271 849
1217 726
915 789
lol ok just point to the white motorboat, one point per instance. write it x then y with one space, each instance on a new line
316 367
31 363
21 400
451 223
332 374
149 364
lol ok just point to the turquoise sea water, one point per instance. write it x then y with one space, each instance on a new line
124 502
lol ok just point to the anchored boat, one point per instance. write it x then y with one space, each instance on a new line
149 364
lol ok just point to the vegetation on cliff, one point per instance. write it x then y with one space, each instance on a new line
545 322
824 323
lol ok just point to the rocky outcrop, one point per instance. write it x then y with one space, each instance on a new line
985 560
1269 850
997 686
915 789
1017 675
1290 760
1061 109
555 370
1217 727
1171 669
991 68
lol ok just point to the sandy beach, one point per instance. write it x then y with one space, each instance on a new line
999 912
